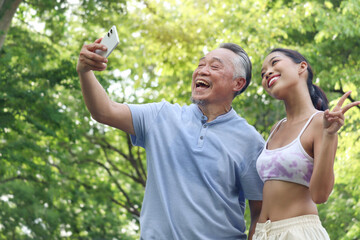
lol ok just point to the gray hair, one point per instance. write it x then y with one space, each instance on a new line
242 64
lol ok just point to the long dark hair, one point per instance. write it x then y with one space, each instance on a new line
317 95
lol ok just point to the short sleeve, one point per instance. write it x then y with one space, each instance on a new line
251 182
143 115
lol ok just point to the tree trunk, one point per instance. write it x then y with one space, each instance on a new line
7 11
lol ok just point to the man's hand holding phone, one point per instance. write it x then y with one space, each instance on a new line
93 56
110 40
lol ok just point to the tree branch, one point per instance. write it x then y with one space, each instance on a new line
7 11
136 164
128 200
136 179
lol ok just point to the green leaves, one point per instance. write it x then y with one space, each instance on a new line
63 175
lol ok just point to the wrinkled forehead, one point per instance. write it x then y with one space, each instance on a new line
222 55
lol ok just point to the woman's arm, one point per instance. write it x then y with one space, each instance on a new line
255 209
325 145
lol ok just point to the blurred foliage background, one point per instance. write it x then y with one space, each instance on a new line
64 176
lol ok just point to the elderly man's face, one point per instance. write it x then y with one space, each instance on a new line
213 78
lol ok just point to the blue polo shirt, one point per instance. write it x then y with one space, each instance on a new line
199 173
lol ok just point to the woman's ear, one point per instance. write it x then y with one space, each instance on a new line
303 67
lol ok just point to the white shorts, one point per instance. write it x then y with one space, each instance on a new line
297 228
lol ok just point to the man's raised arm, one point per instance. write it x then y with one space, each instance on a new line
101 107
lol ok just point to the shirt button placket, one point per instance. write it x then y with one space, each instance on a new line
202 135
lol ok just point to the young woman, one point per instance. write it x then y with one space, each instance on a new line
297 161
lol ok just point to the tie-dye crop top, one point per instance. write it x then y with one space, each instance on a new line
289 163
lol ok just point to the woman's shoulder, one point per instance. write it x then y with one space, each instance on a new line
317 120
316 124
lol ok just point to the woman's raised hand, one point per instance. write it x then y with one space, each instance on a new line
333 120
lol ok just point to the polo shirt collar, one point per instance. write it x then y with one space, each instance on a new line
221 118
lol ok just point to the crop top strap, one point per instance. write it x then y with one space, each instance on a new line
275 128
308 122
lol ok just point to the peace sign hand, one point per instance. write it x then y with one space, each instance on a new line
335 119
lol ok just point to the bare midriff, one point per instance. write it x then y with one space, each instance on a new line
282 200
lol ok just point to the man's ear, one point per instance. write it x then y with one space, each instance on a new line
240 83
303 67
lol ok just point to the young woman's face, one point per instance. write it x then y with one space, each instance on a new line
279 74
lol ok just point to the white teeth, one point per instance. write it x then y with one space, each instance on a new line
198 82
272 80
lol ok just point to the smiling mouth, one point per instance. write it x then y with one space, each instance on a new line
272 80
201 84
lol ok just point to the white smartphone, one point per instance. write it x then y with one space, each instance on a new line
110 40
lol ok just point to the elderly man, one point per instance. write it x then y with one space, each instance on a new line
200 158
